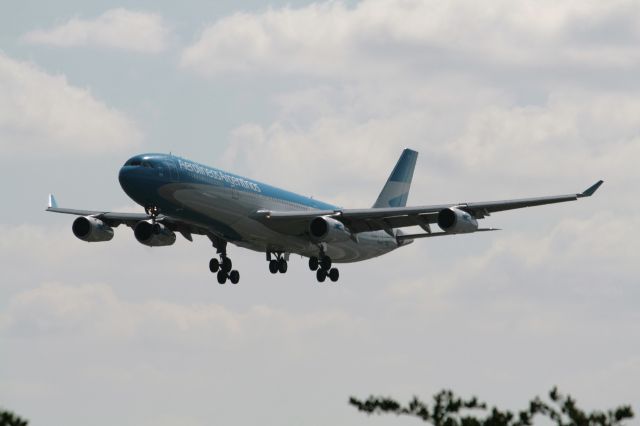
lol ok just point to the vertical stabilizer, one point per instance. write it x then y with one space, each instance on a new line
396 190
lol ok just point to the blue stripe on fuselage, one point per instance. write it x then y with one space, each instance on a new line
192 172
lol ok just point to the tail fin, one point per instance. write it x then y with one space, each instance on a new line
396 190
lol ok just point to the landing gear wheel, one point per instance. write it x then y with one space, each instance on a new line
234 277
214 265
282 266
222 277
313 263
325 262
273 266
226 264
321 275
334 274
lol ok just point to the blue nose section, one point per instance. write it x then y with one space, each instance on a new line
134 183
125 178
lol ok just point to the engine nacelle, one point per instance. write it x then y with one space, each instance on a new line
328 230
90 229
153 234
457 221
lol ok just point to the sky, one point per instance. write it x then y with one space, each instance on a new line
502 99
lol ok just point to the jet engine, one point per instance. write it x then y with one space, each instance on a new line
153 234
328 230
456 221
90 229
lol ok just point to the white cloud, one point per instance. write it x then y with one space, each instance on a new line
116 28
585 130
42 114
542 302
95 310
372 37
343 150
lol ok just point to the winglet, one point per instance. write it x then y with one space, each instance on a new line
591 190
53 204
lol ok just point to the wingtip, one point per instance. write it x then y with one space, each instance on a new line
592 189
53 204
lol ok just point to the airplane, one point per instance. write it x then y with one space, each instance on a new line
185 197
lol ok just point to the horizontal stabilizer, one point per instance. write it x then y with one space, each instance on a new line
438 234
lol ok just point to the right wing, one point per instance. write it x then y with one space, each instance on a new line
374 219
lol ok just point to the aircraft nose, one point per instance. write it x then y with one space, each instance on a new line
125 177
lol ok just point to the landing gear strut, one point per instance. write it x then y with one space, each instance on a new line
322 266
222 267
279 264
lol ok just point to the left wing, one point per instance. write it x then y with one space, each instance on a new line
373 219
110 218
114 219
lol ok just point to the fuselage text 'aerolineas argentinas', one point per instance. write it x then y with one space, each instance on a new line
182 196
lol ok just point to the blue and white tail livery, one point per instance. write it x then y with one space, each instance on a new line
183 197
396 190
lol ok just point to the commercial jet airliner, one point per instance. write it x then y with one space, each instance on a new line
179 195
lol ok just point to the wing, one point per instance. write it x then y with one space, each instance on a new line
114 219
363 220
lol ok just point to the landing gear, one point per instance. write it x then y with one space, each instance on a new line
334 274
152 211
313 263
222 267
322 266
325 262
279 264
214 265
273 266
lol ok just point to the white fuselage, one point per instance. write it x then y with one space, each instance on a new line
233 207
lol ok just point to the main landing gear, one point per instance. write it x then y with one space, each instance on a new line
279 264
222 267
322 266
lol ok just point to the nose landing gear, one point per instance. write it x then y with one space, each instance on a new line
279 264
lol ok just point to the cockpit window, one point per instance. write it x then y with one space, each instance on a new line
134 162
147 164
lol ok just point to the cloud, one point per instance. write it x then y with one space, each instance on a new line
95 310
563 144
374 37
42 114
589 130
116 29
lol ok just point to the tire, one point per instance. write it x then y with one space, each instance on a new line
226 264
321 275
282 266
325 262
334 274
222 277
214 265
313 263
273 266
234 277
